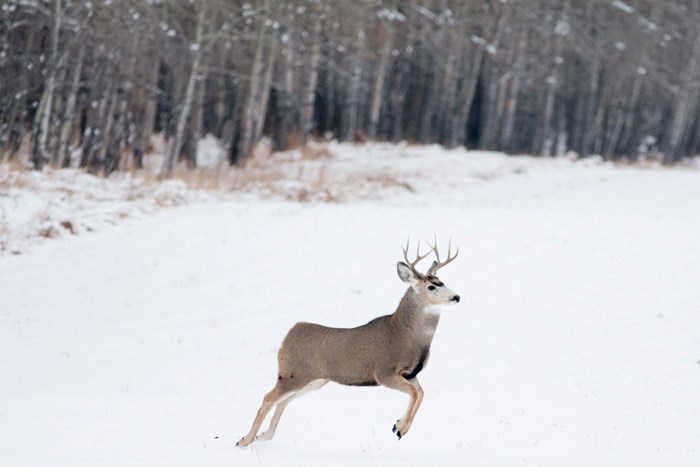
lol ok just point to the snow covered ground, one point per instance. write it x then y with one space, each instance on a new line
151 340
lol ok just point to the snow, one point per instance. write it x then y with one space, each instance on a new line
391 15
59 203
620 5
210 152
151 340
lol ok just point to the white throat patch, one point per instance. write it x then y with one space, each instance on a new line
433 310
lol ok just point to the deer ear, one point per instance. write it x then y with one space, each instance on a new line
431 269
405 272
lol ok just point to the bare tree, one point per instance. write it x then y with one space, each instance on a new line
43 114
197 47
543 77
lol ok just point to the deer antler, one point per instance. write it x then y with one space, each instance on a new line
419 257
438 264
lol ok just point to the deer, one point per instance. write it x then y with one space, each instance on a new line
387 351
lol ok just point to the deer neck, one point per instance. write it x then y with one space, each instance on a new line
416 316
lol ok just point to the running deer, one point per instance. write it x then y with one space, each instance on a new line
388 351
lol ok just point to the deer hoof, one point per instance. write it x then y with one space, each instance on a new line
396 430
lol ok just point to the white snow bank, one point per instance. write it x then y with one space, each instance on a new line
59 203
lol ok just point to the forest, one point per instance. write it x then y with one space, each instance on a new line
88 82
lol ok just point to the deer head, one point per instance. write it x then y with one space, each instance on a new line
427 285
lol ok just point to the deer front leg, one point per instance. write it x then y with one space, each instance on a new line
415 393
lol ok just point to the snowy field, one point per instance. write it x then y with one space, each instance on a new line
149 336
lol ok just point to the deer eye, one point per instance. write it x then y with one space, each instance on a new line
431 287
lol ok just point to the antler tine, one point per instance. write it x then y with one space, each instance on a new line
438 264
418 255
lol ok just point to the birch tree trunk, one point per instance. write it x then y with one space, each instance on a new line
487 68
686 103
308 92
43 115
627 143
267 82
380 79
115 136
549 132
144 128
106 128
511 104
285 107
399 87
593 115
184 113
352 103
250 110
93 119
458 133
64 142
432 88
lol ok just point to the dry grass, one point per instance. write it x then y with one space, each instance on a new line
4 234
302 179
68 225
308 173
209 179
315 153
13 174
49 232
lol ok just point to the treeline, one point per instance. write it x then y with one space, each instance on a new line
88 82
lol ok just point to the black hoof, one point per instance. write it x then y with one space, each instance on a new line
398 433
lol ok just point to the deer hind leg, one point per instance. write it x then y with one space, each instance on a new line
282 390
415 392
281 405
280 394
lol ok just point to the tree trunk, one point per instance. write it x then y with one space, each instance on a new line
115 136
399 86
64 142
511 103
593 114
380 79
43 115
627 143
488 70
431 88
554 79
458 133
184 113
352 102
250 111
106 127
284 137
686 104
267 82
308 93
144 128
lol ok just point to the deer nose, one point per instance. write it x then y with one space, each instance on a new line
455 298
